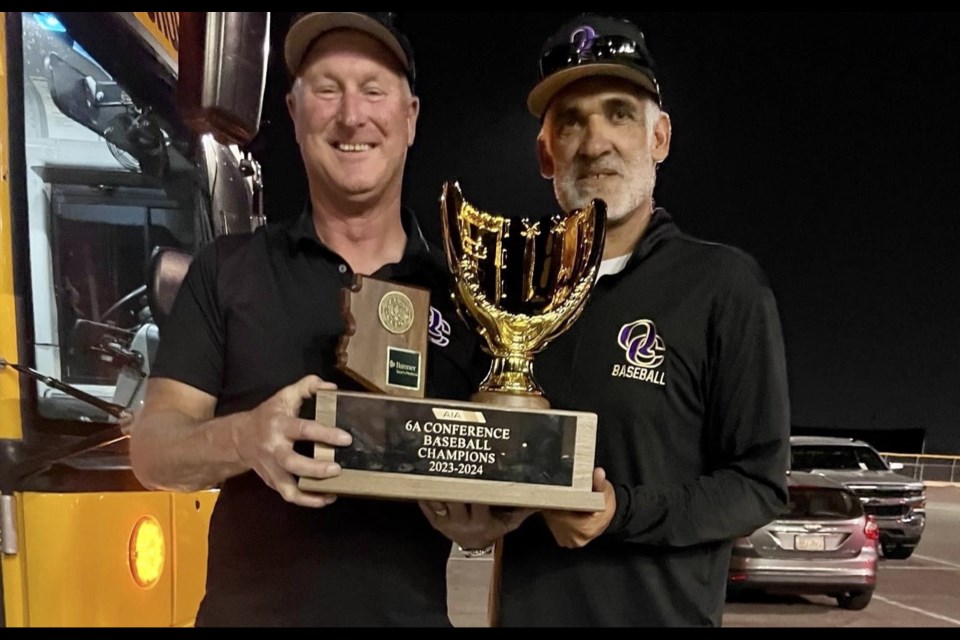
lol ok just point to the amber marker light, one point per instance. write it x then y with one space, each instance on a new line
146 552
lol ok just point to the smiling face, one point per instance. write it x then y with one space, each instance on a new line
354 117
603 138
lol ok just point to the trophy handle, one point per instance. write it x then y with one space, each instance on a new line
599 234
599 228
586 267
450 204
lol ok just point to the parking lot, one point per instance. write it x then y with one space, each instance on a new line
923 591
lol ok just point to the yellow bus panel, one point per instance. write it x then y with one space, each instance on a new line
191 515
9 382
78 561
164 27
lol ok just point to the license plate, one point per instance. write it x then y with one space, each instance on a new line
809 543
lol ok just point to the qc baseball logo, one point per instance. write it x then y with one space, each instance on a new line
645 351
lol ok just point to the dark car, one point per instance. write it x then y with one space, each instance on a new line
823 545
896 501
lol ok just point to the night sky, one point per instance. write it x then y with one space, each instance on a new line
826 145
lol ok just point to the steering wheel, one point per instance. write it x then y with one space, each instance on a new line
126 312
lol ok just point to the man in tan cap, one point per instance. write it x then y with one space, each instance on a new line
253 336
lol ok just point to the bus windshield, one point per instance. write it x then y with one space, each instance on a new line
108 182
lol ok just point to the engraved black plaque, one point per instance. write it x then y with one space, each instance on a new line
425 440
459 451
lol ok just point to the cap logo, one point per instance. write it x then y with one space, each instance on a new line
583 38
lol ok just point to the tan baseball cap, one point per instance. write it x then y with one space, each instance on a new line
307 27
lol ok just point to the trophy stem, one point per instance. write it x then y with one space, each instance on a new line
510 382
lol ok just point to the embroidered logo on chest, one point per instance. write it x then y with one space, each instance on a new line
645 350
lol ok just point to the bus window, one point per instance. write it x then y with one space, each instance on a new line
108 181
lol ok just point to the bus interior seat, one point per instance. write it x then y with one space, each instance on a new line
166 269
165 273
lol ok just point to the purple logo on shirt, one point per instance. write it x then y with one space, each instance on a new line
439 329
643 346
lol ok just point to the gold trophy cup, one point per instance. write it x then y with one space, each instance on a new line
519 284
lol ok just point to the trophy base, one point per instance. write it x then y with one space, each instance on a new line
465 452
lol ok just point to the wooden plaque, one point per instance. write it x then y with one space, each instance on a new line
384 347
459 452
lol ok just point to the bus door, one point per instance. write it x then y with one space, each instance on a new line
99 175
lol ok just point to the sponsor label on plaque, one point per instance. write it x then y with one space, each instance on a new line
404 369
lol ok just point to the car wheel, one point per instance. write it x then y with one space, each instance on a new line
897 552
855 600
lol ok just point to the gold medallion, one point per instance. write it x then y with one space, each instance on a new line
396 313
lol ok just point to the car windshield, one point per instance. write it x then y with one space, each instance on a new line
852 458
812 502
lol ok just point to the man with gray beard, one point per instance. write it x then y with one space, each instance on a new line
679 352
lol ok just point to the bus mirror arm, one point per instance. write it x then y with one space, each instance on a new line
120 413
28 466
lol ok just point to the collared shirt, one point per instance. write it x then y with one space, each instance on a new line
418 252
255 314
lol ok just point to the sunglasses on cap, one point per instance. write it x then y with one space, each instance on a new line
587 47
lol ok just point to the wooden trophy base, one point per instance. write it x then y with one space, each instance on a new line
504 454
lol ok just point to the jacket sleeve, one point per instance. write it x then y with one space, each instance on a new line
746 437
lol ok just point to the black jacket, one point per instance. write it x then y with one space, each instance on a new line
682 358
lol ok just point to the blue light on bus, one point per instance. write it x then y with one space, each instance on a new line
49 22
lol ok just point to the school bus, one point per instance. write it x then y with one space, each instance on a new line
100 177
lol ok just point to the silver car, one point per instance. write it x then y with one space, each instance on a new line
896 501
824 545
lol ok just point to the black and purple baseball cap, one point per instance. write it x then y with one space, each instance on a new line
593 45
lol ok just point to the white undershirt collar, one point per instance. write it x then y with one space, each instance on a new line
613 266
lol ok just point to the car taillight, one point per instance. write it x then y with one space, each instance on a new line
871 530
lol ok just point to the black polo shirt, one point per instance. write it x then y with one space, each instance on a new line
257 313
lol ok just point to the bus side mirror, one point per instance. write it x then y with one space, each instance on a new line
223 73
